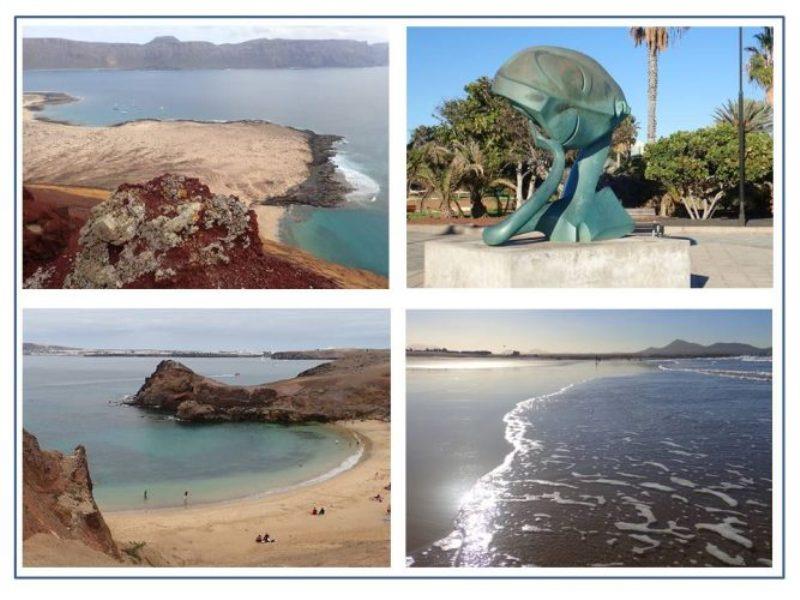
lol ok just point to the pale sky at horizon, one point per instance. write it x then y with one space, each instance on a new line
195 329
219 34
583 330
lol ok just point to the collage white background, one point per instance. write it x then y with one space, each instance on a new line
398 299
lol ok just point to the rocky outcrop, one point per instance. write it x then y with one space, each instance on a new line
175 388
172 232
167 52
325 185
57 498
353 387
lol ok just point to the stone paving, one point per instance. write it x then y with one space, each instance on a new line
720 259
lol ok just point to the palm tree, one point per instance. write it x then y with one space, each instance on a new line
757 115
442 170
759 65
474 175
657 39
623 139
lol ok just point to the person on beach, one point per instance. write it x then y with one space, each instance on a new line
145 495
258 539
321 511
267 539
314 511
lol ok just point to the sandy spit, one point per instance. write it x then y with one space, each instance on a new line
228 157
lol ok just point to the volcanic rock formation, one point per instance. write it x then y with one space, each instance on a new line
57 498
355 386
170 232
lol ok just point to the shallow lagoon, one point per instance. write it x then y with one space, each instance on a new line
75 400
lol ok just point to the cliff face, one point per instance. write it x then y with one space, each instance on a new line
170 232
57 498
168 52
355 387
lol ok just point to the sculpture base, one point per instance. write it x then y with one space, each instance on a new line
462 261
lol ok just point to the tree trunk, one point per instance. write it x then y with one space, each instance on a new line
652 92
520 177
445 210
478 208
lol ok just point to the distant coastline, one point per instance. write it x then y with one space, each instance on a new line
676 349
35 349
170 53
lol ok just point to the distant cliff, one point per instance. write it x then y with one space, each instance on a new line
168 52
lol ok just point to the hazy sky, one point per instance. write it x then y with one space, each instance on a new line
219 34
583 330
696 74
208 329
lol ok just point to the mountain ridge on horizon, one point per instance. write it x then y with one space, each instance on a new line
675 348
169 53
679 347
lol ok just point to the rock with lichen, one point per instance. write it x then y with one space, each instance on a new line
171 232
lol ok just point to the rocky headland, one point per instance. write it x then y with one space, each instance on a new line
354 386
325 186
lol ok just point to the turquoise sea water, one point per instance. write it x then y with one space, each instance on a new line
352 103
75 400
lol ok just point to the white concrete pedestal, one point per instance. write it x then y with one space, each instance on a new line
462 261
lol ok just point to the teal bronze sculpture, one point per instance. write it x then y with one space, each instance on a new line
577 105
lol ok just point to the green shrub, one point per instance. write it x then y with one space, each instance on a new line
701 168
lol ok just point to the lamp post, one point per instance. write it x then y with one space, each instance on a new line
742 218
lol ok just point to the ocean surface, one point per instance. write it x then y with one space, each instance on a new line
75 400
577 463
352 103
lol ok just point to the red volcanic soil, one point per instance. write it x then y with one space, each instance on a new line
51 221
170 232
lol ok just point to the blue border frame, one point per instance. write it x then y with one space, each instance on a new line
412 17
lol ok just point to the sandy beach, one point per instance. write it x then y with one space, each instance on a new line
269 221
228 157
353 532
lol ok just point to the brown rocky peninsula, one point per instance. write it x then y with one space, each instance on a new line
353 386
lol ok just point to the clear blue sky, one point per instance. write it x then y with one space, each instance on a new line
584 330
697 74
208 329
